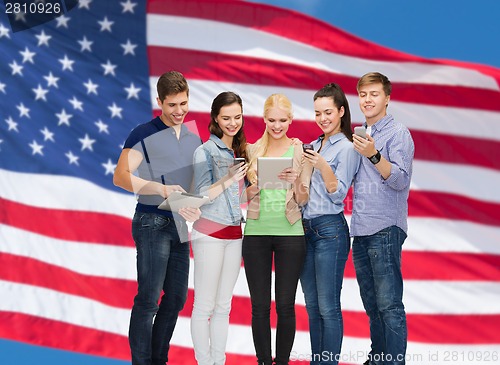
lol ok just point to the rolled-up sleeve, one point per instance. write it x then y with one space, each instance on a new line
348 165
400 154
203 176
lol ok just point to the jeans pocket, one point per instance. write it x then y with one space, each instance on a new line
379 252
161 222
327 230
140 221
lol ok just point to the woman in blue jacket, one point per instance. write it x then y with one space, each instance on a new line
217 235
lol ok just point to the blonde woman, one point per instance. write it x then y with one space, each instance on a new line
274 230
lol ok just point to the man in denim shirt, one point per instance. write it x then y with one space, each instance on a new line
379 219
157 160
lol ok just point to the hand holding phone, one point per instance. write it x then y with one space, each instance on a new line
239 169
360 131
307 147
238 160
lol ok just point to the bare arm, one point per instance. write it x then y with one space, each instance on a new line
366 147
318 162
124 176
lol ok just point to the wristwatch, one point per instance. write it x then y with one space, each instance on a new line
375 159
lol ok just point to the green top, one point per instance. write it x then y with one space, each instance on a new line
272 220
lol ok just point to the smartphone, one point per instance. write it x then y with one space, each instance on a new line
307 146
360 131
238 160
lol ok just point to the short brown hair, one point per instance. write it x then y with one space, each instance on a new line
375 78
171 83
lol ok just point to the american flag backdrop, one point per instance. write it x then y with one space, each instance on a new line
72 89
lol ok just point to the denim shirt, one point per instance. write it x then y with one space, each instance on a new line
339 152
212 161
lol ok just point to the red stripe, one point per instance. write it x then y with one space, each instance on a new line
416 266
456 149
38 273
444 266
453 207
421 204
429 146
59 335
277 21
63 336
436 329
51 277
218 67
454 329
67 225
427 204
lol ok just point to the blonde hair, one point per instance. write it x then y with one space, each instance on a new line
259 148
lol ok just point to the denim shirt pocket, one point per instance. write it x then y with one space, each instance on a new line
221 167
224 208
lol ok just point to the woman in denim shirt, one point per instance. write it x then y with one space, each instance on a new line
217 236
327 235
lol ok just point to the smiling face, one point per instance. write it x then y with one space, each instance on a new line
373 102
328 115
174 108
230 119
277 122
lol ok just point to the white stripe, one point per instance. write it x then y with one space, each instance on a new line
471 181
219 37
461 122
78 311
433 297
63 192
58 192
67 308
443 235
447 235
94 259
421 296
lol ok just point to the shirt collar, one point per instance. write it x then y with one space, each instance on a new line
218 142
381 123
161 126
333 139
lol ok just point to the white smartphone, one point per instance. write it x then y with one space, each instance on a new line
360 131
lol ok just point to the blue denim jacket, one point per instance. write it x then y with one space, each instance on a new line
212 161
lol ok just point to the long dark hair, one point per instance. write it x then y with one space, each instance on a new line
239 141
334 91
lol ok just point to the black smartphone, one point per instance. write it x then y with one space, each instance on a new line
238 160
307 147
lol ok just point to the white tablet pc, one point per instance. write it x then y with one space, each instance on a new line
268 169
177 200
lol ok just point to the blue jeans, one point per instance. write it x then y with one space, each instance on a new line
377 260
327 243
162 264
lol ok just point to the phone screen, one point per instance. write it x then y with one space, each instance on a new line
238 160
307 146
